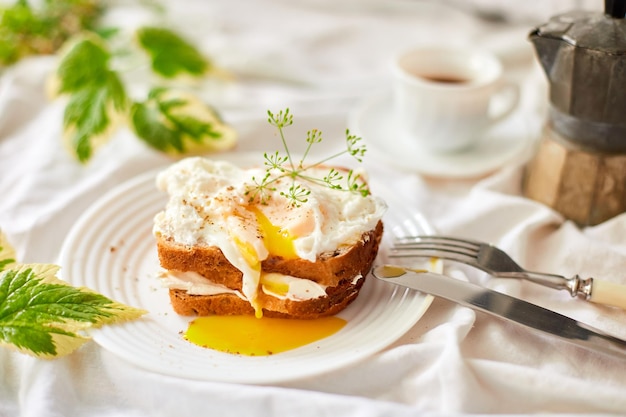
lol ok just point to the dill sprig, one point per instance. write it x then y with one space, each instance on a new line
282 165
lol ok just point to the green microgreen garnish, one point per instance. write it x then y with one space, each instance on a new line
280 166
44 316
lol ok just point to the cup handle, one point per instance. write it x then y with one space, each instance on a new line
508 96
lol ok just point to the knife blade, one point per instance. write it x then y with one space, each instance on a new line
503 306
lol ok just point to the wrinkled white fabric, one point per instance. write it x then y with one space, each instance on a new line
320 59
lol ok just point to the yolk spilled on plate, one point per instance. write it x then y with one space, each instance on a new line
248 335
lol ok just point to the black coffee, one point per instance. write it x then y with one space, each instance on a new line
445 79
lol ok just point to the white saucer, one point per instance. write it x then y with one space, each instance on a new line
509 141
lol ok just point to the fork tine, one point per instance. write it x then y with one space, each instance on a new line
433 253
449 240
428 246
443 247
439 242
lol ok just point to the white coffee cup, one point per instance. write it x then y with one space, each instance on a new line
446 98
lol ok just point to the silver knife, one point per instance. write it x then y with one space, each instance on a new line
503 306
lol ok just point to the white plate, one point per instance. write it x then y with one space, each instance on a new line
111 250
508 141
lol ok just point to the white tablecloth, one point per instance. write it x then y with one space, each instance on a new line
321 59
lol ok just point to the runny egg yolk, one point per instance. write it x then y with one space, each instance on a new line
247 335
249 253
275 287
277 240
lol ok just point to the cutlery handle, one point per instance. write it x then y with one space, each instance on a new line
608 293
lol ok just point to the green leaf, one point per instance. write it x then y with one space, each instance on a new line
150 125
84 66
42 29
7 253
107 32
96 96
17 19
45 317
177 122
171 55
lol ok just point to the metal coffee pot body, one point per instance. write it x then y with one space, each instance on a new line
579 168
584 57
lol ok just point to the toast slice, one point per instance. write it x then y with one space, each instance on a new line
337 299
341 273
329 269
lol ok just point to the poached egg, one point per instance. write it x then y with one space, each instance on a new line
209 204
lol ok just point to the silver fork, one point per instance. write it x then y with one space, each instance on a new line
498 263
